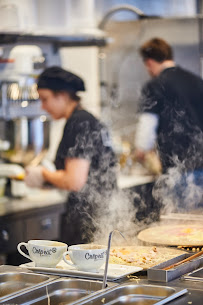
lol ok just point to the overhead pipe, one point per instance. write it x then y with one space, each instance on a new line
115 9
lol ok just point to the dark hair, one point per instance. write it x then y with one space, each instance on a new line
72 94
157 49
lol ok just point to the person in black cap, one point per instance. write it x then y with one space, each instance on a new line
85 161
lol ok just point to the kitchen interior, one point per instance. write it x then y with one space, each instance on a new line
98 40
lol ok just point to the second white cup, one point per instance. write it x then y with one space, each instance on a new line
86 257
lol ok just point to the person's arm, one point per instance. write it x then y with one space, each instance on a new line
151 103
72 178
145 140
146 132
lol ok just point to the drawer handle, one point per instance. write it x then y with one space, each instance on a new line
5 235
46 223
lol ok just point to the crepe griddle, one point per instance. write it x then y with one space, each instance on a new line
188 235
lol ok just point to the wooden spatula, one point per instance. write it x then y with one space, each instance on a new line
190 258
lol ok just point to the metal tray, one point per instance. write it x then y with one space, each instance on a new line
15 280
60 291
115 271
157 273
196 275
136 295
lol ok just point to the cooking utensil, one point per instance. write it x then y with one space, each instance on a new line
184 261
158 274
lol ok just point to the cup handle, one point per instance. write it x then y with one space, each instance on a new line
66 261
21 252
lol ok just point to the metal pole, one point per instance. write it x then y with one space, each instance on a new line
107 257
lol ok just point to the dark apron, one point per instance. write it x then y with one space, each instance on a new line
77 224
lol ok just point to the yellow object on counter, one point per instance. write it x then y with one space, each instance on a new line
20 176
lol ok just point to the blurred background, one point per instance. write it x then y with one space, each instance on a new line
99 41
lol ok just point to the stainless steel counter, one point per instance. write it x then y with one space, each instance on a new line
193 297
35 199
73 290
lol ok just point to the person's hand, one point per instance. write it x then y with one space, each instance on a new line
139 155
34 177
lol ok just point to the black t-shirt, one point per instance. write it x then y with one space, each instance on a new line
85 137
176 96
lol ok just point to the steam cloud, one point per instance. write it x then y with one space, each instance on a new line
119 214
180 189
176 190
107 208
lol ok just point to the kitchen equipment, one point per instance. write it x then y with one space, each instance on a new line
158 273
136 294
61 291
142 256
190 234
18 90
196 275
190 249
15 280
188 259
29 137
25 125
181 218
107 256
15 173
11 171
115 272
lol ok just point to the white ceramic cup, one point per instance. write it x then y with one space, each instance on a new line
44 253
86 257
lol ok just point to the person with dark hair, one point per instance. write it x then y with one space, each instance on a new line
157 49
85 161
171 112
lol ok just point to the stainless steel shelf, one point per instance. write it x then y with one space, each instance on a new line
31 111
57 41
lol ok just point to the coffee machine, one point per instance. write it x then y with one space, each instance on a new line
19 102
23 125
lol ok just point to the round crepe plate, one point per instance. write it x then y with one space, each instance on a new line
173 235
